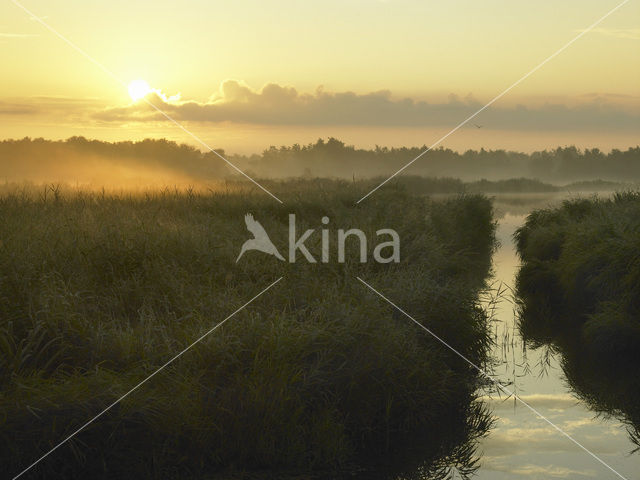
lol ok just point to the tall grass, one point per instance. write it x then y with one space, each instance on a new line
97 290
581 264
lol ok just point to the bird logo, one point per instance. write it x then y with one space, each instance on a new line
260 240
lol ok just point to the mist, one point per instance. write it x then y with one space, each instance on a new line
151 162
94 163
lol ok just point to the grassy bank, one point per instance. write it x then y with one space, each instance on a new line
98 290
579 288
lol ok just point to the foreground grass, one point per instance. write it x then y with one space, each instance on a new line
580 293
99 290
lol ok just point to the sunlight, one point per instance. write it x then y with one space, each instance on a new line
139 89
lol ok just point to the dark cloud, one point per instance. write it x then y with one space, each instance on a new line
279 105
7 108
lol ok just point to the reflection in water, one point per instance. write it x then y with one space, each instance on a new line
577 293
454 450
564 384
521 445
615 392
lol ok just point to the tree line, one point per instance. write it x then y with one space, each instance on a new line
62 159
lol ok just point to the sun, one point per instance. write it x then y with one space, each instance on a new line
139 89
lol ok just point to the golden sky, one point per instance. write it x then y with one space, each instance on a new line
254 73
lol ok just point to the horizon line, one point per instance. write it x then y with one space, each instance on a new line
325 140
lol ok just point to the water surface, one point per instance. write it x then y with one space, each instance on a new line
521 445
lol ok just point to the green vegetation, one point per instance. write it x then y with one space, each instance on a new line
333 157
579 288
97 290
581 265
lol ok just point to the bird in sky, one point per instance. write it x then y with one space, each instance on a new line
478 126
260 240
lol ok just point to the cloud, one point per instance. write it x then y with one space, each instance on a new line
551 471
571 425
628 33
7 108
553 401
508 441
541 471
282 105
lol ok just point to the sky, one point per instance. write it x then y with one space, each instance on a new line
244 75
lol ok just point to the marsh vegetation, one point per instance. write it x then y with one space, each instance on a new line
99 289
